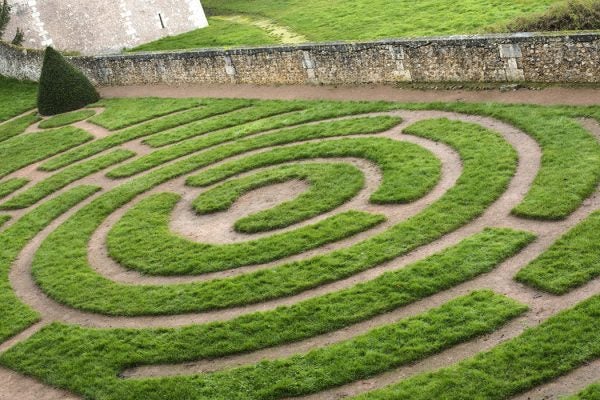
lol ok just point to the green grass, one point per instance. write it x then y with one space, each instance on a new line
4 219
407 175
592 392
88 361
331 185
142 240
138 131
17 126
61 269
327 20
569 172
555 347
121 113
219 33
570 169
11 185
16 97
65 177
23 150
571 261
66 119
261 110
374 352
408 171
14 315
323 129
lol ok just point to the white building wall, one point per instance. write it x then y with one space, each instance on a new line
100 27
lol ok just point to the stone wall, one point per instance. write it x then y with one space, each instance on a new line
102 26
495 58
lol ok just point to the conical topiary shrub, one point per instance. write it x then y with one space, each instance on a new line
62 87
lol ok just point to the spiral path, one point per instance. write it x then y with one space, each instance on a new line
261 249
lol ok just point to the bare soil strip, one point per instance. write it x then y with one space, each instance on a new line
15 386
551 95
280 32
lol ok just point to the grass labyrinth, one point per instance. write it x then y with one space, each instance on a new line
247 249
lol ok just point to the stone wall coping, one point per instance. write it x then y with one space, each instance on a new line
533 57
339 45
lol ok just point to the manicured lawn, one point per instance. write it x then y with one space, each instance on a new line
331 185
66 276
66 119
17 126
23 150
88 361
120 118
121 113
571 261
557 346
339 298
142 241
570 169
14 315
11 185
63 178
590 393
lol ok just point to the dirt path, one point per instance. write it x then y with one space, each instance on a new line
18 387
500 280
555 95
279 32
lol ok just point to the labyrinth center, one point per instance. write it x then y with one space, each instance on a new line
253 249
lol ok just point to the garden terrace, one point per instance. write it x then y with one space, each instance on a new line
265 249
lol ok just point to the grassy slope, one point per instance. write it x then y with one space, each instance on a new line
16 97
218 34
330 20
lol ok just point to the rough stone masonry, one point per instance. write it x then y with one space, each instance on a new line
491 58
102 26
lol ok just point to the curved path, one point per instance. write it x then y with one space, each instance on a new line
500 280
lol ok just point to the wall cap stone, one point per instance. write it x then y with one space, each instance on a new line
534 57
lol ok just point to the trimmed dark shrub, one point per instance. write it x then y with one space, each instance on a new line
62 87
